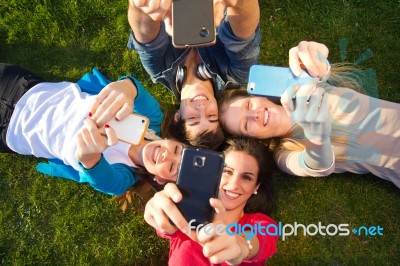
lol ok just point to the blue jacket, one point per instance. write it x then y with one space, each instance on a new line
112 179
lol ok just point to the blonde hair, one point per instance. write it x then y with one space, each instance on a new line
342 75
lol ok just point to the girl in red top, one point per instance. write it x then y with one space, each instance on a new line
245 198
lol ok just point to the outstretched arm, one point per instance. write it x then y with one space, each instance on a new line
243 16
145 17
311 112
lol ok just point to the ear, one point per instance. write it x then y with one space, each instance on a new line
256 187
177 116
160 180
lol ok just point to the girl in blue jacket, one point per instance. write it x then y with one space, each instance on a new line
60 121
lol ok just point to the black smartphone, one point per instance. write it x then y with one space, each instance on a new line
198 180
193 23
272 81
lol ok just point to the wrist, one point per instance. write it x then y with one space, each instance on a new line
247 247
89 163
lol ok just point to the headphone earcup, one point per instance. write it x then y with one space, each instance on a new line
202 72
180 76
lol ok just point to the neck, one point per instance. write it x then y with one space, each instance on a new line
136 153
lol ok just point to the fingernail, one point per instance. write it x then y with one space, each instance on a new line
107 126
90 114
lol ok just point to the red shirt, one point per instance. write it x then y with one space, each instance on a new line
185 251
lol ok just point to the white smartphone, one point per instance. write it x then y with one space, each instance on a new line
272 81
193 23
131 129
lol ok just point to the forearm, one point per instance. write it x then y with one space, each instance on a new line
144 27
110 179
318 154
244 17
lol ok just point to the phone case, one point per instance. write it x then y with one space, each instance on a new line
131 129
272 81
193 23
198 180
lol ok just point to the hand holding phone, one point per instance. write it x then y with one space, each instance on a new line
198 180
272 81
131 129
193 23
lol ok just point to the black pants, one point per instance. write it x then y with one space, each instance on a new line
14 82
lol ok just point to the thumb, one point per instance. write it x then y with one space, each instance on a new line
219 208
219 12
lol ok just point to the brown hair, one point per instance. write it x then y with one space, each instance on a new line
264 200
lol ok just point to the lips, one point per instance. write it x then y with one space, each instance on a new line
155 153
266 116
231 195
199 98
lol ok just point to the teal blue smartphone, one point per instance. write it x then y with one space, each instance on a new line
272 81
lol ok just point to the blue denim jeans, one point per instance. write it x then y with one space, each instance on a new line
228 60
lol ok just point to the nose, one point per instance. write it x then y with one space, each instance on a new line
233 181
200 107
254 114
166 155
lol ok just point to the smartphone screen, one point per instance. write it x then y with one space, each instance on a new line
193 23
198 180
272 81
131 129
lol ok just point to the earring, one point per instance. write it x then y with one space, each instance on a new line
255 192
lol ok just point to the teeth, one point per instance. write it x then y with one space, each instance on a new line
199 98
232 194
155 154
266 115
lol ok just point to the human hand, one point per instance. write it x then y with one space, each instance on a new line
311 56
155 9
114 101
219 246
90 143
161 209
310 111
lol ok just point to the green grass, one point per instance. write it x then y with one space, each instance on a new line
49 221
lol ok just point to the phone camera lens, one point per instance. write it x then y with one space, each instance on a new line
142 120
204 32
199 161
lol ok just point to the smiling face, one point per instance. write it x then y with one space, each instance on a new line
198 106
239 180
162 158
255 117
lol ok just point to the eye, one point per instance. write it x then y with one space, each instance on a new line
176 149
248 105
247 177
227 171
246 125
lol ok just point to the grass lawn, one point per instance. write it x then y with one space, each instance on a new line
49 221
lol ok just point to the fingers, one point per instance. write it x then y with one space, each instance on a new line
161 209
309 55
92 137
208 231
287 98
155 9
112 138
115 100
219 12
